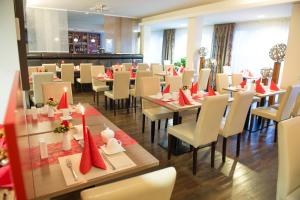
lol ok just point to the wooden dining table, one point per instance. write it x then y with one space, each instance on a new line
48 178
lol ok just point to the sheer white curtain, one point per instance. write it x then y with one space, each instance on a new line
206 40
180 44
252 42
156 46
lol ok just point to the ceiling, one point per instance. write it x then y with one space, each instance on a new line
125 8
262 13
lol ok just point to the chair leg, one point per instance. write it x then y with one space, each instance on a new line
212 154
158 125
251 123
114 107
127 105
195 151
198 112
276 132
143 125
166 124
118 103
170 145
135 104
105 99
152 131
94 96
238 144
97 98
224 149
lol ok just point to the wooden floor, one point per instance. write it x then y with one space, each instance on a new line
252 176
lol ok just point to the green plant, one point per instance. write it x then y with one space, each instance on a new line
63 127
51 102
180 63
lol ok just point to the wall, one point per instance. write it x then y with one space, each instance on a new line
8 52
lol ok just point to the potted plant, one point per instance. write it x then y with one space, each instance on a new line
51 106
64 128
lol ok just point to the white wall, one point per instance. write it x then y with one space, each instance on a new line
8 52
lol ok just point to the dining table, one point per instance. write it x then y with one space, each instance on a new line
48 174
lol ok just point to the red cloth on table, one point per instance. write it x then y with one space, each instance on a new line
211 92
273 86
166 90
109 74
194 88
243 83
63 103
183 100
5 177
90 155
174 73
259 88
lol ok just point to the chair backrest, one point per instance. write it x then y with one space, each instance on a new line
296 109
121 85
288 102
156 185
50 67
138 81
227 70
37 80
156 68
209 120
126 66
187 77
222 81
85 72
67 72
117 68
149 86
169 68
203 78
95 71
31 70
237 115
175 83
56 90
142 66
237 78
288 157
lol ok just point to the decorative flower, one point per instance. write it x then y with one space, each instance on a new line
277 52
51 102
63 127
184 87
202 51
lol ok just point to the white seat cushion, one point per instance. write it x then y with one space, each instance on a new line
184 132
265 112
100 88
109 94
157 113
295 195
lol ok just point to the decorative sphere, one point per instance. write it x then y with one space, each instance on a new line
202 51
277 52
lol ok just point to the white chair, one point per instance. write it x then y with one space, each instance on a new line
50 67
296 110
126 66
120 89
156 68
237 78
85 74
169 68
142 66
222 82
97 85
187 78
37 80
175 83
288 181
31 70
156 185
203 78
284 111
117 68
56 90
154 112
205 131
137 90
67 72
233 124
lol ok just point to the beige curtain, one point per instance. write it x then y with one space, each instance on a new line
168 45
222 45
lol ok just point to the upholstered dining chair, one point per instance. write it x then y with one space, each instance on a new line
227 70
288 181
37 80
156 185
55 90
137 90
97 85
67 72
233 124
85 74
236 78
169 68
296 109
175 83
126 66
222 82
205 131
117 68
154 112
187 78
203 78
284 111
156 68
31 70
120 89
142 66
50 67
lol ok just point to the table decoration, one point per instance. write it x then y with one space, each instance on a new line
259 88
63 103
174 72
211 92
194 88
107 134
51 106
243 84
273 86
182 99
166 90
202 53
109 74
64 128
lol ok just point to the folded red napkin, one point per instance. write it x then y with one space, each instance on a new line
174 73
63 103
273 86
5 177
194 88
166 90
132 74
182 70
169 69
257 81
183 100
109 74
211 92
259 88
243 83
90 155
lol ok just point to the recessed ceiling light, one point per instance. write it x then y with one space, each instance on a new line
86 13
261 16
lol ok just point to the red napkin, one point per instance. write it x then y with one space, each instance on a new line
243 83
132 74
5 177
211 92
257 81
259 88
169 69
273 86
166 90
183 100
194 88
90 155
181 70
109 74
174 73
63 103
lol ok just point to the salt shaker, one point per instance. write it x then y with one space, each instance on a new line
43 149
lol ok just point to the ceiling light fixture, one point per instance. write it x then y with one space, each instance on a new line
75 39
93 40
